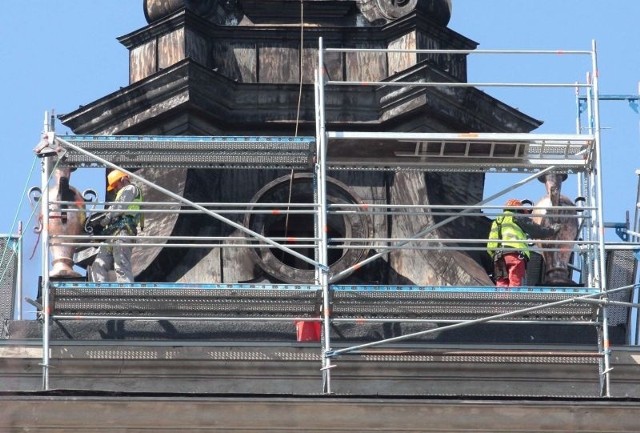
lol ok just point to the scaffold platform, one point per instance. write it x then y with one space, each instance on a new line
468 152
189 151
182 301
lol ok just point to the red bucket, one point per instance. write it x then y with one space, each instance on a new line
308 331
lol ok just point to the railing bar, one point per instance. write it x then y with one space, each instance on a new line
452 51
453 84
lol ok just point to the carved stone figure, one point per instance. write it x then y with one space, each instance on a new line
231 12
556 263
389 10
63 222
223 12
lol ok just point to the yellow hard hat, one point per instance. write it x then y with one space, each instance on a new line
113 178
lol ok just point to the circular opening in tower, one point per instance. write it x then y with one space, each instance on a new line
298 232
291 221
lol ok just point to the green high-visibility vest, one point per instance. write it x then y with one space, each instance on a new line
506 234
137 216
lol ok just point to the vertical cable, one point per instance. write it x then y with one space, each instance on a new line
286 218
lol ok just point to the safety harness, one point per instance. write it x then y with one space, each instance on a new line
128 222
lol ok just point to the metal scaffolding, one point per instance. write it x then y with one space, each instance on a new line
323 300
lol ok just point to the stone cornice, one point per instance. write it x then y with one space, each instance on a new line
224 102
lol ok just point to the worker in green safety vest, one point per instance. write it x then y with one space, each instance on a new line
508 243
122 218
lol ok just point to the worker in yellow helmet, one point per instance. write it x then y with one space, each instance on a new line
508 245
122 218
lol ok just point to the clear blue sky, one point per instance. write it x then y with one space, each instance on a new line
59 54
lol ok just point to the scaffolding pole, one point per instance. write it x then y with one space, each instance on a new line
20 276
47 163
605 390
322 221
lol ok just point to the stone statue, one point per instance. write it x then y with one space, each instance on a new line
556 263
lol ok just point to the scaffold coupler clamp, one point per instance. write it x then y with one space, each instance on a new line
328 355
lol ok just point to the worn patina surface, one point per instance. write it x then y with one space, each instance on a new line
235 68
